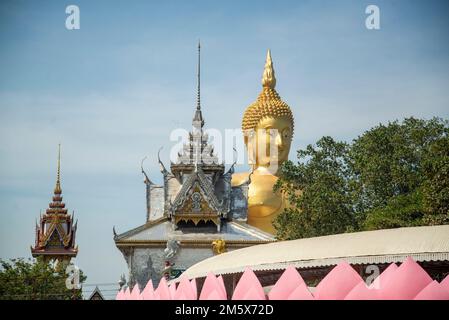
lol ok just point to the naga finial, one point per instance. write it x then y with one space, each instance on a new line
231 169
147 180
162 167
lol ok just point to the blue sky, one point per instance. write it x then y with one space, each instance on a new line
113 91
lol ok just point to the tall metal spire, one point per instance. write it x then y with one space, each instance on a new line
198 121
58 175
198 102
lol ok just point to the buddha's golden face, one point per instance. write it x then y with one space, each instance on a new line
271 144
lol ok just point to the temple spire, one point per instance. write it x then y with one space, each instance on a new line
58 175
198 121
55 236
198 102
268 77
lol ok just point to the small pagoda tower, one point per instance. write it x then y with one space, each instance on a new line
55 233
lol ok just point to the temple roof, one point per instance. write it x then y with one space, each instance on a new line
55 233
161 230
96 295
71 252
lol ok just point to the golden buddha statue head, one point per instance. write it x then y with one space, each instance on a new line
268 125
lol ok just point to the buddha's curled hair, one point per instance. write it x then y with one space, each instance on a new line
268 104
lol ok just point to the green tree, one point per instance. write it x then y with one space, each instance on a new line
388 159
404 210
319 191
436 183
35 280
387 163
394 175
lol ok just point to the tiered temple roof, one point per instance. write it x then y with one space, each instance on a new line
55 233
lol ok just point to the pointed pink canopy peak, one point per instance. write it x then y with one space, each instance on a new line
181 295
445 283
222 286
120 295
338 283
123 294
408 280
362 292
148 291
127 295
300 293
434 291
184 291
286 284
254 294
135 293
214 295
211 284
384 277
172 289
194 289
162 292
373 291
248 283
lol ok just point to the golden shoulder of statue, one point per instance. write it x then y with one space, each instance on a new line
268 130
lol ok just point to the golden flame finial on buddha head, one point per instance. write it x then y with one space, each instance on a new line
268 78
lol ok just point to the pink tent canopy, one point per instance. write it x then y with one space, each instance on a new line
337 283
408 281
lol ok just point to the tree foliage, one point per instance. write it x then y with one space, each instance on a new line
393 175
318 191
35 280
436 183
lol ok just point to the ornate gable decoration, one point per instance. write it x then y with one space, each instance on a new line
196 201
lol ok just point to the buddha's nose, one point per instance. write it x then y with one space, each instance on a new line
279 141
